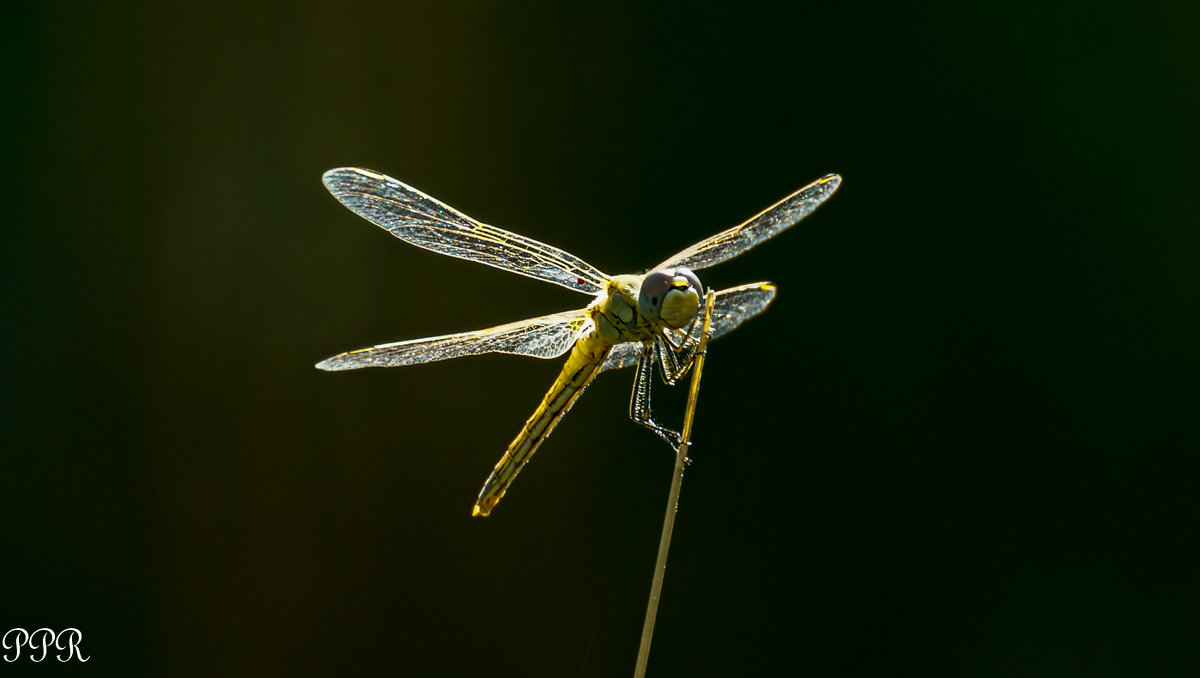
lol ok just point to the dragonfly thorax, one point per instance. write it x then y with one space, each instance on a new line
641 308
616 313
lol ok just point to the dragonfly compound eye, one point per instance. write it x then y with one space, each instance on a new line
671 295
654 287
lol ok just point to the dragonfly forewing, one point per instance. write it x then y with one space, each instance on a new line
766 224
426 222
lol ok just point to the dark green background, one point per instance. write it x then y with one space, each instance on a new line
961 443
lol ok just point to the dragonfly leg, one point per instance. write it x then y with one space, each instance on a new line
675 359
639 403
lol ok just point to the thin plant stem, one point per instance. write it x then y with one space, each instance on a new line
681 461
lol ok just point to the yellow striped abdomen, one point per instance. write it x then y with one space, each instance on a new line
584 361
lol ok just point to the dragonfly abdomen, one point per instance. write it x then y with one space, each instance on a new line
581 367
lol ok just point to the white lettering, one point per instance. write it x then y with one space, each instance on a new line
21 638
43 639
47 639
72 636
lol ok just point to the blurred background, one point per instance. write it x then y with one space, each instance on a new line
961 442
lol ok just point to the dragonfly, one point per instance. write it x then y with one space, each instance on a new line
651 320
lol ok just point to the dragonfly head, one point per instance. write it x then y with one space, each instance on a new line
671 295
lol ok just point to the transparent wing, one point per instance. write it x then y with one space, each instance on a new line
732 307
622 355
548 336
769 223
425 222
